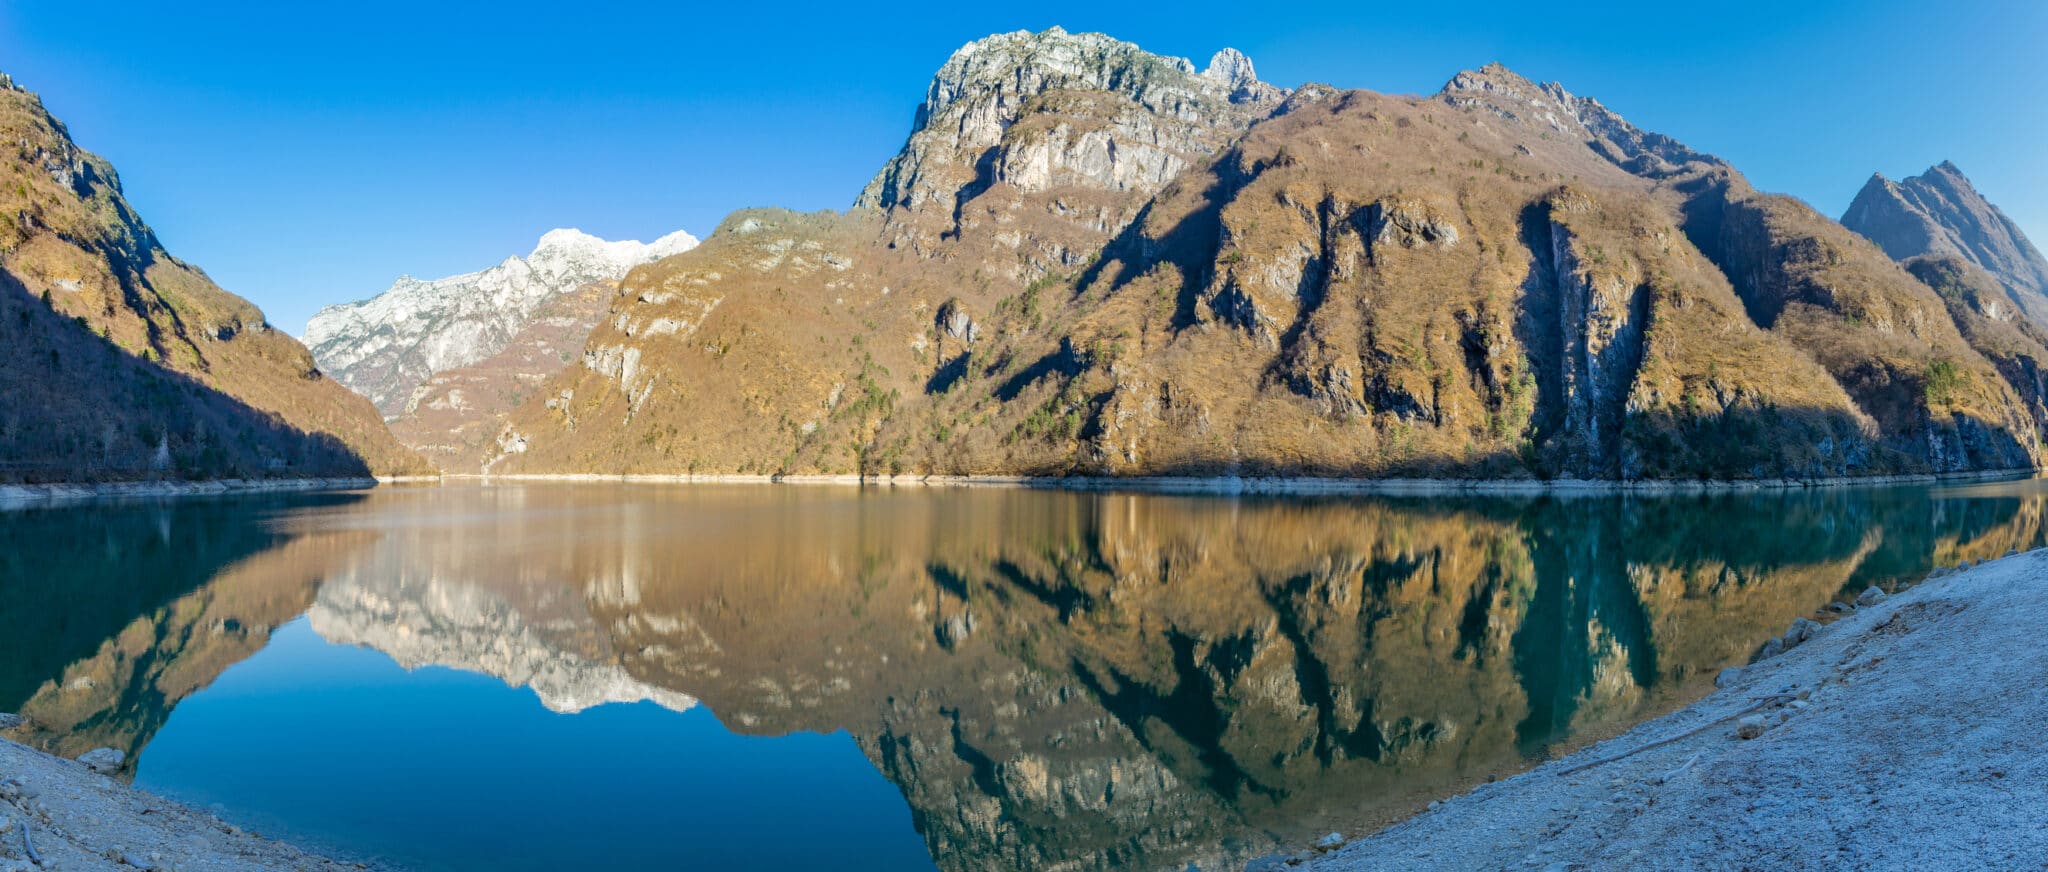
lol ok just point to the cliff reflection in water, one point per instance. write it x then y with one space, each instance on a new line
1051 679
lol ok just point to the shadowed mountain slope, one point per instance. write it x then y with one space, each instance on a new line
119 361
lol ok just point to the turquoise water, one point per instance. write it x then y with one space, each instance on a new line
443 769
821 677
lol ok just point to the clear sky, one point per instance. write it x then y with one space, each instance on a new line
305 154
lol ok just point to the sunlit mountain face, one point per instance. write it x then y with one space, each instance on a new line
972 678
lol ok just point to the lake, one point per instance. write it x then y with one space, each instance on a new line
645 676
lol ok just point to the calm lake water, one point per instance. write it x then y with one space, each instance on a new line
636 677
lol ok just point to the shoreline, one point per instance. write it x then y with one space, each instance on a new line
27 496
1300 486
78 818
1898 736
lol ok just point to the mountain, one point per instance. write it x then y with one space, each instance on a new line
122 362
1939 213
444 360
386 346
1090 259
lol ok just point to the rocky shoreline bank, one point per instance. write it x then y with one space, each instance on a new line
22 496
1900 735
1292 486
73 815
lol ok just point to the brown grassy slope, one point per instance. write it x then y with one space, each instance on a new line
728 358
1885 336
174 360
1376 285
1982 309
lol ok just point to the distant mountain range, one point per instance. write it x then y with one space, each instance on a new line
386 346
1092 259
445 359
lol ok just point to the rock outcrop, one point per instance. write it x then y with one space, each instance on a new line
121 362
1040 110
387 346
1939 213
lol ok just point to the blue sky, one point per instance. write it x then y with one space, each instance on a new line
310 153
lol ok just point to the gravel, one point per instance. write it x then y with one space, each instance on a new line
1904 735
78 819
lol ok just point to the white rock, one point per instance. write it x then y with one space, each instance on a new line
1871 596
104 759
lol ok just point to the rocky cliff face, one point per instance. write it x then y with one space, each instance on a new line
1940 214
385 347
1503 280
1041 130
121 361
1152 116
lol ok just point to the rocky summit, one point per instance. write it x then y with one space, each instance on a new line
121 362
1940 214
446 359
1091 259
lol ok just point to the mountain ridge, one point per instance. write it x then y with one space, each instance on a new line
1500 280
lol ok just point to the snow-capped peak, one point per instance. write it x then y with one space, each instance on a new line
385 346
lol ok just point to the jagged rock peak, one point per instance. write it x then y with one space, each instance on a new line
990 83
1940 213
1231 67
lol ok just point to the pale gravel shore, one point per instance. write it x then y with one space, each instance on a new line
1917 747
1288 486
81 820
23 496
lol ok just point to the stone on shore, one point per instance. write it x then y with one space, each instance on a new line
104 760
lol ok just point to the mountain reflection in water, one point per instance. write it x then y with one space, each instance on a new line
1050 679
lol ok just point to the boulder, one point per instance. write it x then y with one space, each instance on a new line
104 760
1871 596
1800 631
1750 727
